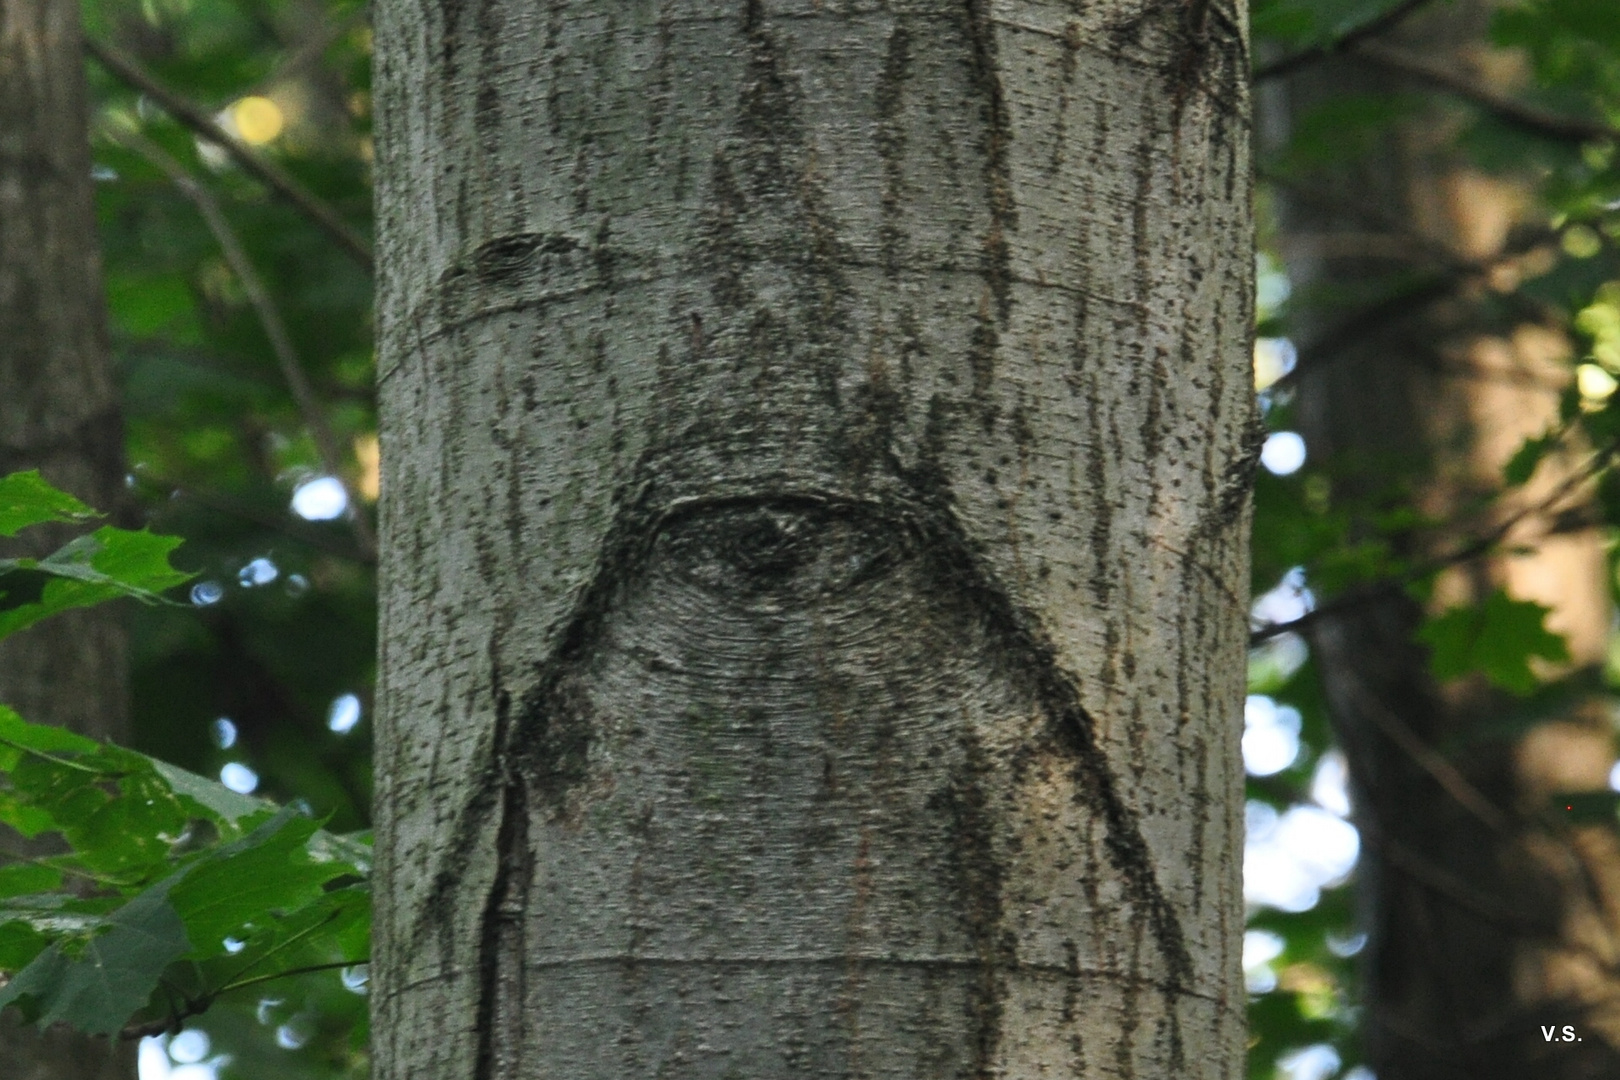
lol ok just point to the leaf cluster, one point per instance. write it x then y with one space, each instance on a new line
134 893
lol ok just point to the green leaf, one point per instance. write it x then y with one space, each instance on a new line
19 944
132 831
114 975
209 798
1496 639
107 564
1522 465
28 820
336 926
26 499
353 849
55 914
119 815
266 874
25 878
137 560
44 738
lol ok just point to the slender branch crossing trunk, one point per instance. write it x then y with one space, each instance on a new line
59 414
817 443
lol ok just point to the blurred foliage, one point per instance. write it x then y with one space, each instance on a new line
150 892
1345 530
280 623
1498 639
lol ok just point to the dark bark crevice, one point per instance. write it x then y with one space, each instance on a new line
985 65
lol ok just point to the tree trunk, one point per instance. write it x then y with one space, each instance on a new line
817 441
1484 924
59 414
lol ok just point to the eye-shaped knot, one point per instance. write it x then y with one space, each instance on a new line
791 547
771 542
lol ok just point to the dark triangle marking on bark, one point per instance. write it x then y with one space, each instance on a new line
530 758
512 740
1028 649
438 910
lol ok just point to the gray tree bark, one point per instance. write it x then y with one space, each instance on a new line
59 414
817 438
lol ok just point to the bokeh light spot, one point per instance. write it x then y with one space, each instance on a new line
257 119
1316 1062
357 979
260 571
1284 453
189 1047
344 714
321 499
1273 359
239 778
1594 383
1270 736
207 592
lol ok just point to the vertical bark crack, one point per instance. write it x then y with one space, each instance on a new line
501 959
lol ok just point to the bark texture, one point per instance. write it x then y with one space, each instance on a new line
59 414
1484 923
817 443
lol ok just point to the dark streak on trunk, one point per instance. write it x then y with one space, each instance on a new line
979 876
501 960
891 144
986 67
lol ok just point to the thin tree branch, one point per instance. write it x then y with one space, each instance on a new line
1452 271
1443 772
1337 203
237 980
1508 110
1444 883
197 1006
308 536
1474 549
290 972
53 863
1373 27
224 366
310 49
309 407
61 763
1337 339
126 70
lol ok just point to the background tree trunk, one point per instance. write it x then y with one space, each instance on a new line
817 443
1484 923
59 414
